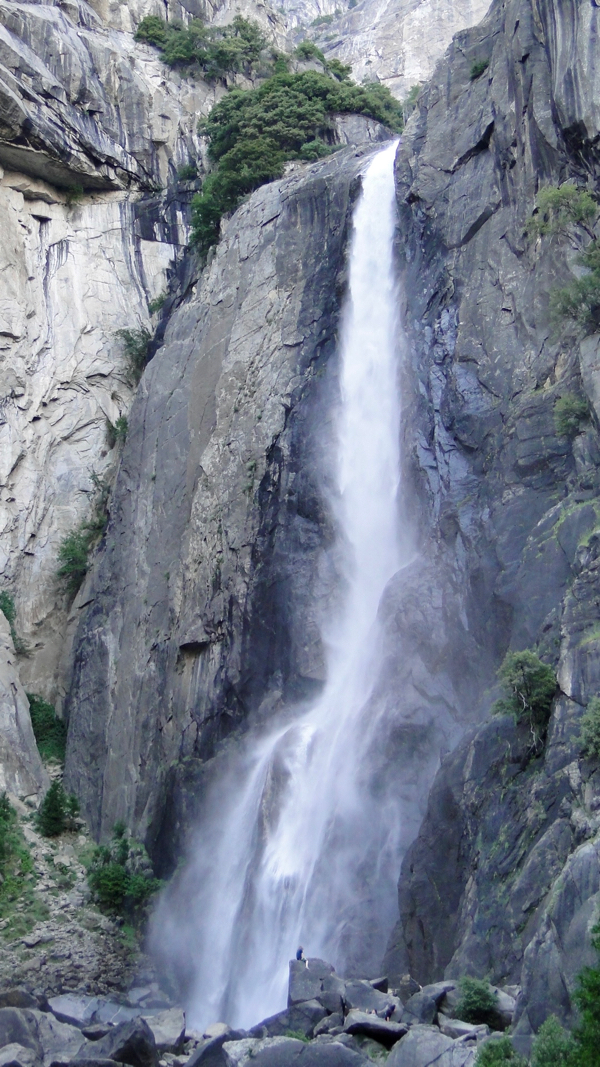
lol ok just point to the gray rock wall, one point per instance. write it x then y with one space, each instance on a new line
204 607
22 773
503 877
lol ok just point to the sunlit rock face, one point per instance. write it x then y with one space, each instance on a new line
84 108
397 42
503 878
22 773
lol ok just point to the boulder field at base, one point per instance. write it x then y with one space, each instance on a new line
342 1024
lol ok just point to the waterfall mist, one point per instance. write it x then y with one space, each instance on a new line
300 839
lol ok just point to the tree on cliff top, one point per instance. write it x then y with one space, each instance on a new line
252 134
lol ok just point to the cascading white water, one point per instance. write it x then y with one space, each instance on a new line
300 846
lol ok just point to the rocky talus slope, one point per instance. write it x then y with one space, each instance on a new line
328 1022
509 502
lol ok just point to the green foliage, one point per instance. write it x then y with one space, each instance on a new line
50 731
152 29
309 50
135 346
298 1035
74 549
212 51
56 811
530 685
590 729
116 432
341 71
18 903
120 875
499 1053
158 303
579 302
569 412
252 134
188 172
74 195
409 104
478 69
8 609
5 822
553 1046
587 998
477 1002
557 209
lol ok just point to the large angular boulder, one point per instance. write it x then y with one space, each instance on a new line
131 1043
209 1052
168 1029
420 1008
15 1055
60 1042
19 1026
287 1052
361 1022
78 1011
423 1045
300 1018
306 978
361 995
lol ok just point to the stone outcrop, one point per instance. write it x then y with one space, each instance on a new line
398 43
22 773
92 126
511 502
204 609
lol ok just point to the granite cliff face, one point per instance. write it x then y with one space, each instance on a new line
512 504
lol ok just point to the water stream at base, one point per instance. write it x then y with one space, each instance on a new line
300 845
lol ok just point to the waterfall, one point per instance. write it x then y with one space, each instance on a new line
301 845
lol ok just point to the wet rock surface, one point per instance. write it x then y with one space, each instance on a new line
503 875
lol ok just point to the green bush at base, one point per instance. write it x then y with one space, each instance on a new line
120 876
477 1002
56 811
499 1053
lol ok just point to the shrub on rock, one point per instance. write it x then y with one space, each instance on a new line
553 1046
530 686
477 1002
499 1053
590 729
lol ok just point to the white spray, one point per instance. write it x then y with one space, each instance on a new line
299 847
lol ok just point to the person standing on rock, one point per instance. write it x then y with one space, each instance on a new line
300 955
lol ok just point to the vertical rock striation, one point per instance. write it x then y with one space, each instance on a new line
503 879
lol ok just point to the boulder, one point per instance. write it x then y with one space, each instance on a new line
422 1046
94 1063
332 1022
18 998
78 1011
379 983
332 993
60 1042
18 1026
387 1033
287 1052
301 1018
306 978
457 1028
168 1029
131 1043
439 990
360 994
420 1008
15 1055
210 1051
